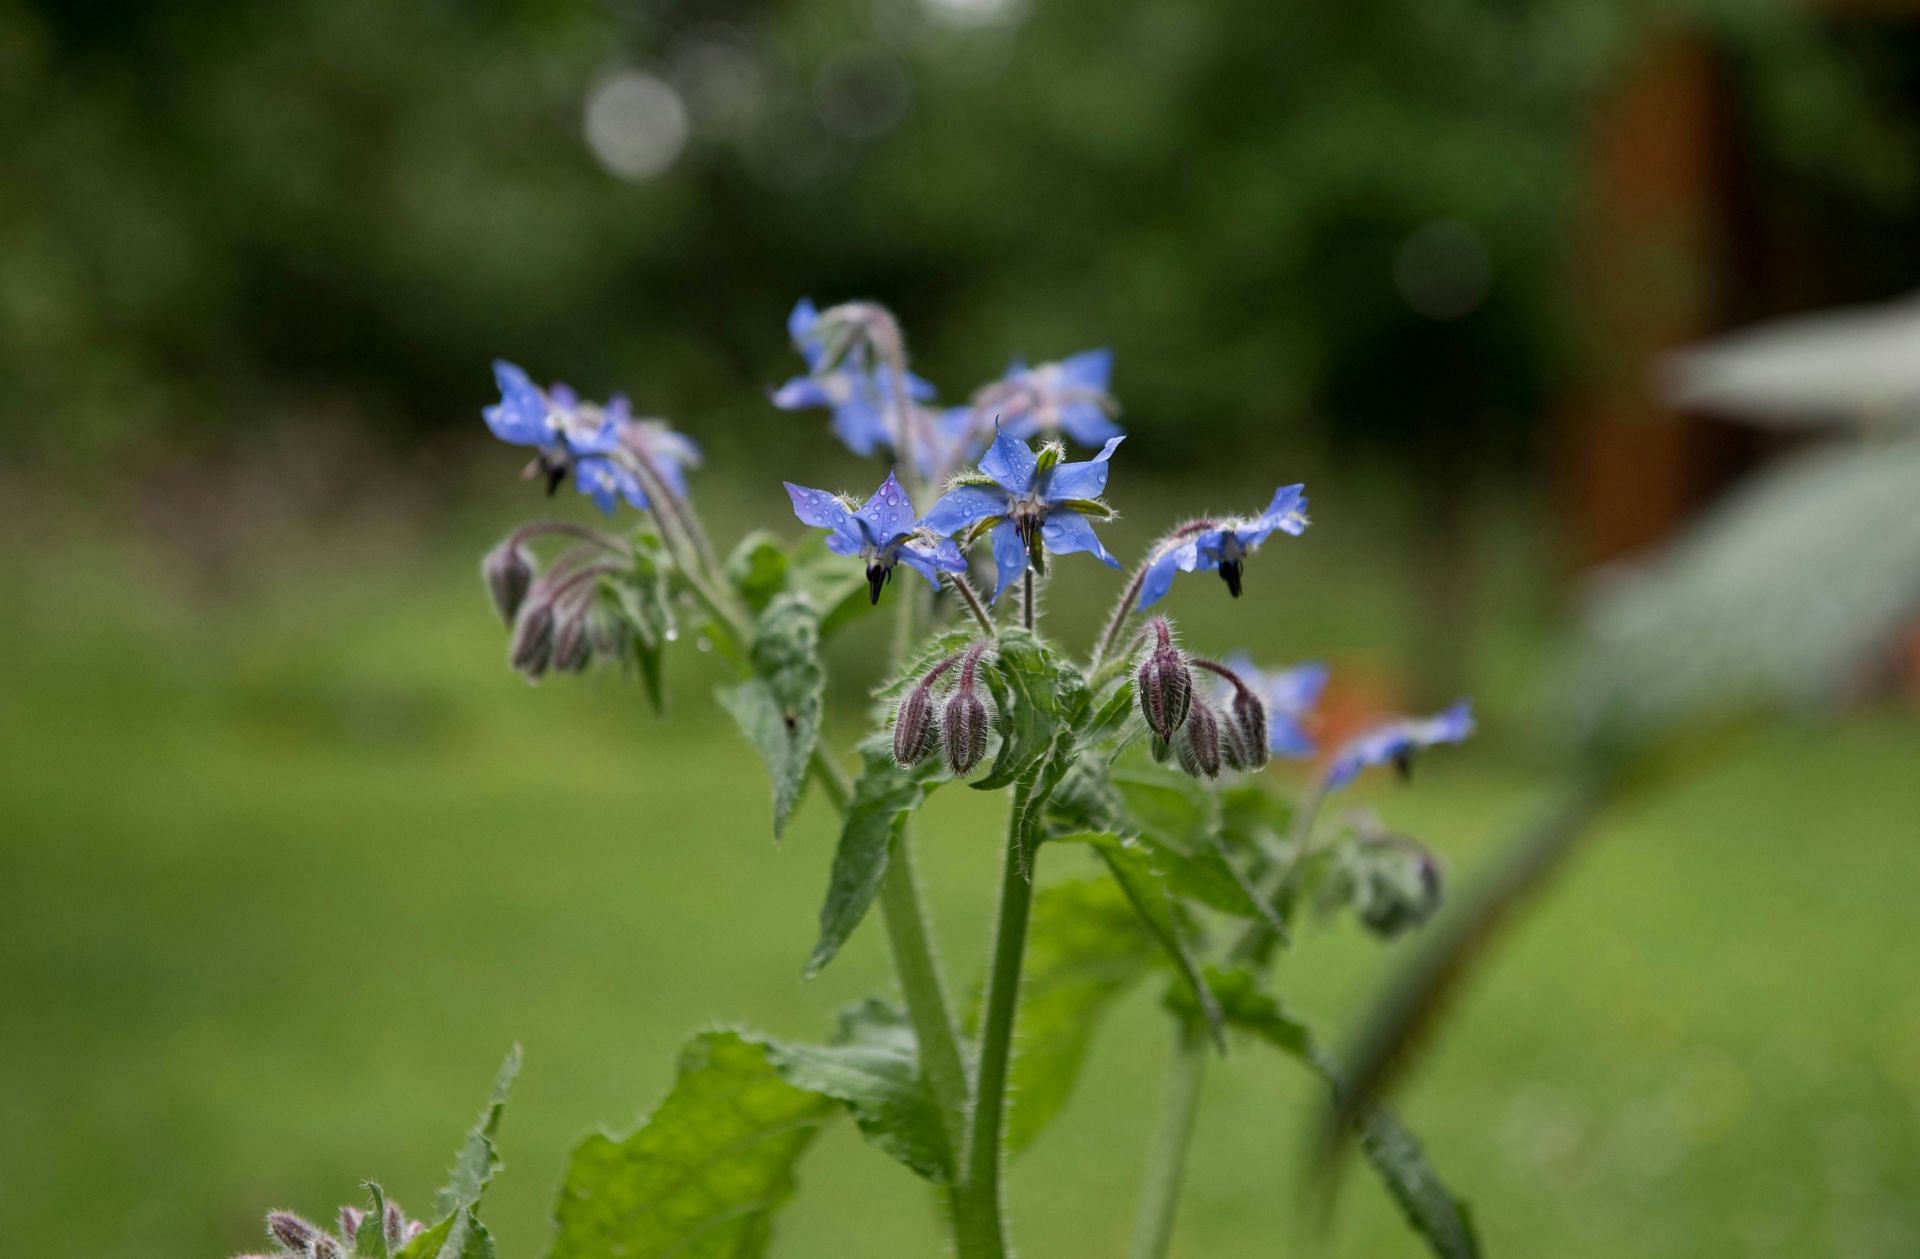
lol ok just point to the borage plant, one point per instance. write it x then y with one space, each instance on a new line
1141 755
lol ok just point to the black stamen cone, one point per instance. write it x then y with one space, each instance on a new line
555 473
878 575
1403 764
1230 571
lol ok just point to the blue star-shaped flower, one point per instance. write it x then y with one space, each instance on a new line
553 423
859 393
881 532
1396 742
1069 397
1290 696
1225 546
1031 502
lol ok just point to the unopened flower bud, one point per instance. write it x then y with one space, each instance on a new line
350 1219
1199 741
1165 689
291 1231
530 650
913 732
396 1224
508 570
324 1247
1161 750
1245 730
963 726
572 641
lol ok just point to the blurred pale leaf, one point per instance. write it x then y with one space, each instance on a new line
1839 366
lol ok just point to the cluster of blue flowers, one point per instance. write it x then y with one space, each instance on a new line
1024 501
604 448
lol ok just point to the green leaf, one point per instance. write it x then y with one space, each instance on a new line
646 603
1205 876
1085 949
882 796
1023 676
474 1166
371 1241
1391 1149
758 568
778 709
1146 888
1167 805
833 583
873 1068
701 1177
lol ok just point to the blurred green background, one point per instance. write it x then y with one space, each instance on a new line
291 857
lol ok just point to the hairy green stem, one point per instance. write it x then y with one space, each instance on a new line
1257 943
1123 608
1167 1156
978 1227
963 586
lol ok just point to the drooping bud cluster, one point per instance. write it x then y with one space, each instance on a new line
962 722
1202 734
1244 727
1391 880
556 618
298 1239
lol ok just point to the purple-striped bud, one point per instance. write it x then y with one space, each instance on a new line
963 728
913 730
350 1220
292 1232
1164 686
324 1247
396 1225
1199 742
572 640
508 570
530 650
1245 730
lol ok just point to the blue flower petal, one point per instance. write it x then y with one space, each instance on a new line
1159 578
521 415
1009 556
889 512
1377 747
1090 369
800 324
1066 532
1286 513
1080 480
817 507
932 559
858 424
959 508
1011 464
607 482
1286 738
1088 424
801 393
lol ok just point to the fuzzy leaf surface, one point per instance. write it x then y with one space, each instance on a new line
702 1176
778 708
883 795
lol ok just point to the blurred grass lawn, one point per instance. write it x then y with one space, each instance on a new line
282 884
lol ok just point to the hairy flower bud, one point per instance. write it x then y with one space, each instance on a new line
324 1247
508 570
291 1231
1161 750
572 640
396 1224
963 726
1395 884
530 650
1199 741
913 729
1245 730
1164 687
350 1220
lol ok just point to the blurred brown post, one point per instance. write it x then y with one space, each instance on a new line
1644 276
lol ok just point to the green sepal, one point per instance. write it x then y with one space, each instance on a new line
1023 677
371 1241
1092 508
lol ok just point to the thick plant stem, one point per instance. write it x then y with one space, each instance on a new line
978 1226
1167 1156
963 586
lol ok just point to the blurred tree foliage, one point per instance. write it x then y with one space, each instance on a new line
216 212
